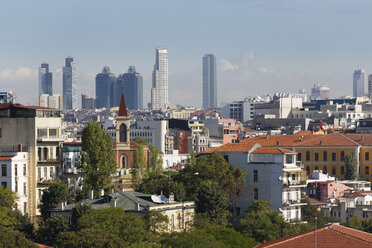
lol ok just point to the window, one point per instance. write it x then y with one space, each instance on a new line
289 159
51 172
325 169
342 170
179 220
366 156
293 177
39 173
333 170
1 132
299 156
255 197
42 133
333 156
15 170
3 170
325 156
25 207
342 155
24 189
367 170
255 176
52 132
307 156
4 184
316 167
45 172
308 170
226 157
123 133
24 170
16 186
316 156
172 222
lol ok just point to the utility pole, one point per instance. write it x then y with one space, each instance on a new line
316 218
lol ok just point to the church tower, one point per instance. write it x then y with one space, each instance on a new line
123 126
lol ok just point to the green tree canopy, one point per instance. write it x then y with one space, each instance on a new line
360 224
140 169
12 238
351 167
56 193
141 141
98 161
7 201
51 228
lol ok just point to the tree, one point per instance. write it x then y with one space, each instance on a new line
360 224
129 227
12 238
156 161
263 223
78 211
56 193
141 141
7 201
310 213
155 221
51 228
351 167
22 223
98 161
140 168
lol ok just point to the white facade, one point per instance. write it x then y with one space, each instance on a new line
70 163
51 101
43 100
152 131
14 175
174 158
159 90
360 83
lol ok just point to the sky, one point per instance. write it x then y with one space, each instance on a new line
262 46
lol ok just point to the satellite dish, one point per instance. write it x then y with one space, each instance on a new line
156 199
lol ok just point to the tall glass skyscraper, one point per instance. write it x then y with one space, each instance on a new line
69 85
45 80
159 90
360 83
132 85
209 81
105 85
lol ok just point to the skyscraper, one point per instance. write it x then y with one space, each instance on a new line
132 85
105 85
45 80
159 90
69 85
370 85
360 83
209 81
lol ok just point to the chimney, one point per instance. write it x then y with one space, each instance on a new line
91 194
61 206
113 202
101 192
122 189
112 190
321 142
20 148
138 206
171 198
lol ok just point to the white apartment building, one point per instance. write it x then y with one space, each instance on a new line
39 131
153 131
71 155
14 175
272 175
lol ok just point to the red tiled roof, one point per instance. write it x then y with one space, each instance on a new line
362 139
246 147
6 158
281 140
329 236
315 202
333 139
271 150
7 105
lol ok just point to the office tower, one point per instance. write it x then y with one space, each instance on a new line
69 84
105 85
87 102
159 90
370 85
319 92
209 81
45 80
360 83
131 83
51 101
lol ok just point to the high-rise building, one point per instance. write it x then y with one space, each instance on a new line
105 85
69 85
370 85
360 83
159 90
51 101
131 83
45 80
87 102
319 92
209 81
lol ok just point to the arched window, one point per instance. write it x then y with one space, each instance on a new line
325 156
123 133
325 169
307 156
124 162
308 170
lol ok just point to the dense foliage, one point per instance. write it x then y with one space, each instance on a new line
360 224
56 193
97 157
351 165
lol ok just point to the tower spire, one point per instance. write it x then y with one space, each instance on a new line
123 107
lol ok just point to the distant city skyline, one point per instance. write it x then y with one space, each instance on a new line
70 100
210 87
283 46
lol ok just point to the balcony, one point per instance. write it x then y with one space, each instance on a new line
50 139
290 203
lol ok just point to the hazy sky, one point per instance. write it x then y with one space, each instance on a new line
262 46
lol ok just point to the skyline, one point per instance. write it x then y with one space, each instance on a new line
280 46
